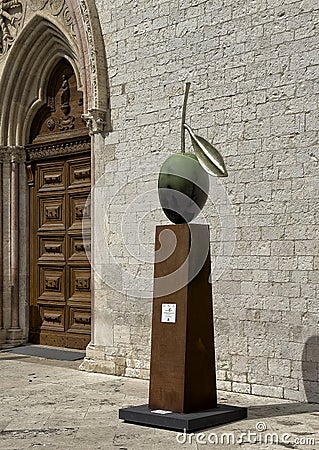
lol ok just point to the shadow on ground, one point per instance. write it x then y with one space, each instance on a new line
13 357
310 369
281 409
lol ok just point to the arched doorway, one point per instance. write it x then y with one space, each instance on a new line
48 46
59 168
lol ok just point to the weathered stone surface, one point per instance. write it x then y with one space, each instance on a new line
47 403
252 66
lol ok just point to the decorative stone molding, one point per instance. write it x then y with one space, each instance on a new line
95 120
85 51
58 149
56 8
17 154
4 154
86 17
10 21
10 154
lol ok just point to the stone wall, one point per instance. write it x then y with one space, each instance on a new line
254 72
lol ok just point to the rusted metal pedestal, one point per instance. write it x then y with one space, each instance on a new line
182 394
183 361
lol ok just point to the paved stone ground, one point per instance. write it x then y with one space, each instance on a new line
52 404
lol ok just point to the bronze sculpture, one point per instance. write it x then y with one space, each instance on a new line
183 182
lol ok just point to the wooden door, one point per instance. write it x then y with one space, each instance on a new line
61 274
59 173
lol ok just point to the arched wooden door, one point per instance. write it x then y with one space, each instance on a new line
59 173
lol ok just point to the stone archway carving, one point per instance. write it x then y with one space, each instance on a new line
44 38
11 16
48 31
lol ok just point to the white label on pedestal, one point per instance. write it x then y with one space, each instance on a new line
168 312
161 411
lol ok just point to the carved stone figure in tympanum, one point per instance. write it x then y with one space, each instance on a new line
66 122
65 96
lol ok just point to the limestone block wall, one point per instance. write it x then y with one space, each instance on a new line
254 72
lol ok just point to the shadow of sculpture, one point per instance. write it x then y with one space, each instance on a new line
310 378
310 369
280 409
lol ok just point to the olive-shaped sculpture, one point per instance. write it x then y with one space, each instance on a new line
183 182
183 187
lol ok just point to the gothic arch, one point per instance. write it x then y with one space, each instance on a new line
43 39
36 50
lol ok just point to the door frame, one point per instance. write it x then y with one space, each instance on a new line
41 153
42 38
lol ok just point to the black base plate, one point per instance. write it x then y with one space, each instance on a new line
142 415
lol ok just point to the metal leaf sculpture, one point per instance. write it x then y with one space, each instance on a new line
183 182
208 156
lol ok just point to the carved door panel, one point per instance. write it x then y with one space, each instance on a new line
58 163
60 288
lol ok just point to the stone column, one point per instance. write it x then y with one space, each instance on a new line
14 333
14 228
97 123
1 246
3 159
